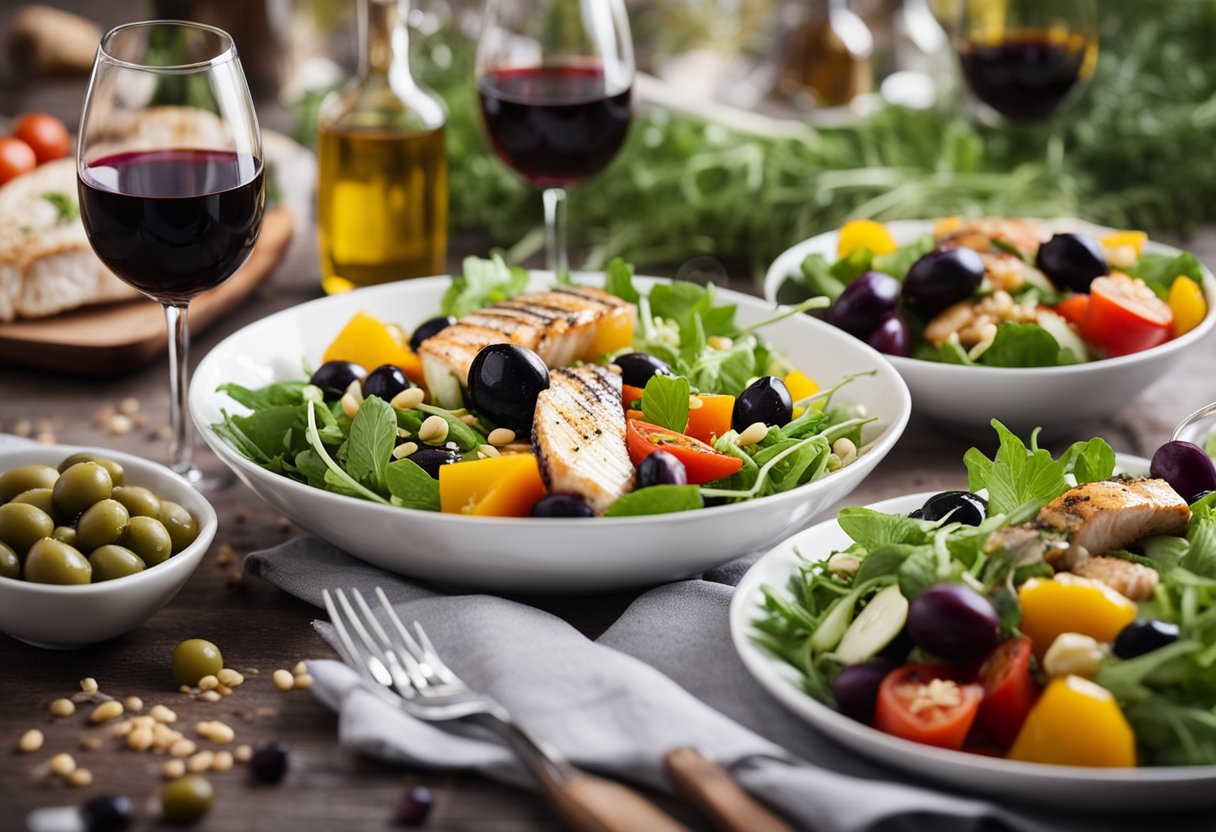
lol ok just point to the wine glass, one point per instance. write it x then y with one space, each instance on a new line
554 81
169 163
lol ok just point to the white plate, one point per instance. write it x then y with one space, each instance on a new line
1057 399
526 554
1169 788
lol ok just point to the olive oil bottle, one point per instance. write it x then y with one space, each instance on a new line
382 181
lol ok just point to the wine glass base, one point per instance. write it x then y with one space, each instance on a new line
202 480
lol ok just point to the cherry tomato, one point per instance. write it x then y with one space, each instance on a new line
16 158
1073 308
45 135
1010 690
906 705
701 461
1124 316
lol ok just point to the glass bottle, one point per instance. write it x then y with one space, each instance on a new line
382 180
828 54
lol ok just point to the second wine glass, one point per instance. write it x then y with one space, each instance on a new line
554 81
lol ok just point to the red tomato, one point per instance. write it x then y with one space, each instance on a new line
16 158
944 725
1072 309
701 461
1124 316
1010 690
45 135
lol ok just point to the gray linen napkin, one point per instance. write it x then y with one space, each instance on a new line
663 675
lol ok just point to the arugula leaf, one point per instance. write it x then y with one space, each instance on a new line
918 572
899 261
722 371
657 499
411 487
873 528
618 280
370 446
312 467
273 431
483 282
950 352
883 560
1159 271
279 393
665 402
1200 557
1022 345
1017 476
679 300
1094 460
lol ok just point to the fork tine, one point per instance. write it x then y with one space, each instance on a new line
372 655
431 659
432 655
416 674
345 646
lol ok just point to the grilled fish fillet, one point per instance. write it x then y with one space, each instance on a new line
578 436
562 326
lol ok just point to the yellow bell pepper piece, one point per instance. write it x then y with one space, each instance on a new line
1051 607
800 385
1187 303
501 486
1134 240
613 334
369 343
857 234
946 226
1076 723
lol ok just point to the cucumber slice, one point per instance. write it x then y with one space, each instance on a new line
875 627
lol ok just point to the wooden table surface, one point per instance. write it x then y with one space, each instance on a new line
259 627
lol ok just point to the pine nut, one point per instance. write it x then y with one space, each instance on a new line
162 714
243 753
133 704
173 769
121 729
223 761
81 778
63 764
303 681
200 762
106 711
469 419
350 406
90 743
182 748
695 403
755 432
230 677
355 391
434 430
63 707
488 451
405 449
501 436
224 690
283 680
210 696
208 683
140 739
300 669
217 732
845 449
30 741
88 684
719 342
408 399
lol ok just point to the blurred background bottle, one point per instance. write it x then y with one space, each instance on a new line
382 183
828 54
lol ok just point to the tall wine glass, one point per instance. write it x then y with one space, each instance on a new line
554 80
169 162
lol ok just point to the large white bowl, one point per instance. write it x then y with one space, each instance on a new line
1057 399
66 617
529 554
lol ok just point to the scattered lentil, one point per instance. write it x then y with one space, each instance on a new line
30 741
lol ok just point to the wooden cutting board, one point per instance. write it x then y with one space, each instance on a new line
117 338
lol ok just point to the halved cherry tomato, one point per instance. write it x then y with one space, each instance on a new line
906 705
1124 316
712 418
702 463
630 394
1010 690
45 135
16 158
1073 309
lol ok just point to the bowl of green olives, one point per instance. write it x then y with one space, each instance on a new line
92 542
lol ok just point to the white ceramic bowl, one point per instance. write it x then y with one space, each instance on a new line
529 554
66 617
1058 399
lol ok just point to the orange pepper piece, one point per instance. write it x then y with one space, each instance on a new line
1051 607
502 486
712 418
1076 723
369 342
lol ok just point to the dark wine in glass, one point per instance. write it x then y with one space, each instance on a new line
1026 75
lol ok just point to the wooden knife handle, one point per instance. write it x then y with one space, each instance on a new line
712 790
592 804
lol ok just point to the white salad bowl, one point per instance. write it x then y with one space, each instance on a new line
531 554
1058 399
1167 788
67 617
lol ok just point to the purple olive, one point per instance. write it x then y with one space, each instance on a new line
1072 261
766 400
432 459
429 329
941 278
856 688
661 468
333 377
865 303
1186 467
504 381
953 621
562 505
638 367
892 337
386 381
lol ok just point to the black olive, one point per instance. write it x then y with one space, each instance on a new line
1072 261
562 505
962 506
661 468
1143 636
414 806
269 762
638 367
108 813
333 377
386 381
941 278
916 514
432 459
766 400
504 381
429 329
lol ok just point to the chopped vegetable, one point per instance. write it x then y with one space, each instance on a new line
1125 316
368 342
701 461
864 234
1010 691
711 418
503 486
1187 303
927 704
1076 723
1051 607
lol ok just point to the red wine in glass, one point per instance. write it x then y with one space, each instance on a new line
175 222
555 126
1026 75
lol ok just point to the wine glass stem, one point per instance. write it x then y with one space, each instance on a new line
555 230
179 354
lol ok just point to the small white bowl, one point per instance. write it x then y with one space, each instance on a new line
1058 399
68 617
508 554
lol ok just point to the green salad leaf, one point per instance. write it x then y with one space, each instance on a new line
899 261
410 486
1022 345
482 282
656 499
665 402
1159 271
373 432
618 280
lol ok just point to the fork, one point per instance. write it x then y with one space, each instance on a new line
407 672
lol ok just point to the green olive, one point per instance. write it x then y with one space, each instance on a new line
186 800
65 534
14 481
102 524
80 486
22 525
148 538
140 502
52 562
10 564
117 474
110 562
42 498
195 658
181 524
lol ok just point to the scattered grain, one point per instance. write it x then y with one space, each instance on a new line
129 406
173 769
223 761
283 680
46 437
200 762
140 738
133 704
434 430
63 707
90 743
408 399
210 696
186 689
182 747
63 764
303 682
230 677
88 685
300 669
216 731
106 711
243 753
30 741
81 778
102 415
140 421
119 425
162 714
226 555
121 729
23 427
208 682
